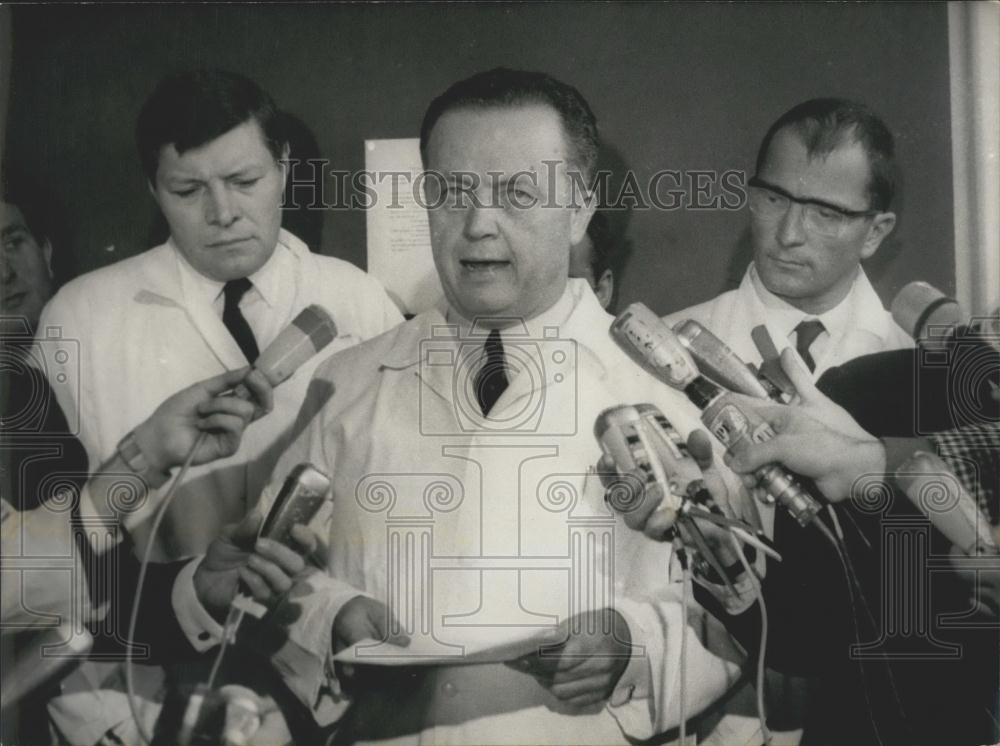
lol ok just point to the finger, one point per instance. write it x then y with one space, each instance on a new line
633 498
277 581
226 405
607 470
254 584
224 381
244 533
798 374
306 538
587 686
754 455
386 626
222 424
261 390
586 700
286 559
700 446
660 521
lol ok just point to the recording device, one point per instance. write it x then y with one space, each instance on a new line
300 498
310 331
647 339
771 373
939 494
721 364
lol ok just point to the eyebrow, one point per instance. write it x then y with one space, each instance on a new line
757 181
14 229
182 179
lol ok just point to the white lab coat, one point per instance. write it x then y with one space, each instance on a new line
116 342
412 461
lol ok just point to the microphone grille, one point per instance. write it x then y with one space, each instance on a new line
316 323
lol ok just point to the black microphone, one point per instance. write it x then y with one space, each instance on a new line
642 334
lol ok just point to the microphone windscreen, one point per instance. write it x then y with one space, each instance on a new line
919 305
310 331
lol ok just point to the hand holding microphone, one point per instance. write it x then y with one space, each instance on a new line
644 336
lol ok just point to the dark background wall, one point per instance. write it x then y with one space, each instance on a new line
678 86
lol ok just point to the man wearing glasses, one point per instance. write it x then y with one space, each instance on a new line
819 206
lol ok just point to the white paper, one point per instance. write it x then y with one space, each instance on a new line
399 240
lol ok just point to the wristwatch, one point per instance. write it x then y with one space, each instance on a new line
132 455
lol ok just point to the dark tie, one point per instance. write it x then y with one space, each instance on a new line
233 318
491 380
805 334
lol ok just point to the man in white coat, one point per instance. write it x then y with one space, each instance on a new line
118 340
819 206
471 547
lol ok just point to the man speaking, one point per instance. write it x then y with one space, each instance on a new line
467 518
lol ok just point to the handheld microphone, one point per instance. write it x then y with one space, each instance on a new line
647 339
721 364
310 331
938 493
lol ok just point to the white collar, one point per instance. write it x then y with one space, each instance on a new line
861 308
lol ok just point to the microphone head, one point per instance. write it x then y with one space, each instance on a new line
717 361
924 311
310 331
649 341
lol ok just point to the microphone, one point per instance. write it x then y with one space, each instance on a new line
654 345
933 487
310 331
926 314
721 364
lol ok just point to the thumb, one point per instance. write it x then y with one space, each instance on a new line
749 457
700 446
225 381
798 374
244 533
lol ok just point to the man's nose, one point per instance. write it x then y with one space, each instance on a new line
7 267
480 220
219 208
791 230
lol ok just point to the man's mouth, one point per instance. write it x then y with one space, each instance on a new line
227 242
790 263
484 265
13 301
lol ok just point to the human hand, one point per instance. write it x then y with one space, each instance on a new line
267 568
810 447
364 618
814 402
582 669
168 435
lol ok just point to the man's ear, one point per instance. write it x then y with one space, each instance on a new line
881 227
583 211
286 151
152 190
605 288
47 255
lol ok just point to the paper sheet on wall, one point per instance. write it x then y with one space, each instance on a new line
399 241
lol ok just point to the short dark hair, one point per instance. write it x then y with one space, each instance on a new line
825 124
191 108
502 87
43 215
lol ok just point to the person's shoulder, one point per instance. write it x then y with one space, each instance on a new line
702 312
366 357
102 286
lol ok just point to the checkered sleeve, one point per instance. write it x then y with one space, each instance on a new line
973 453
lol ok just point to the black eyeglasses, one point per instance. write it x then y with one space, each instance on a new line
771 202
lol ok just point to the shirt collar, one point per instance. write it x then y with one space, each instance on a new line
861 308
537 327
266 280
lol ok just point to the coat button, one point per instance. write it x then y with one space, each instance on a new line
449 689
